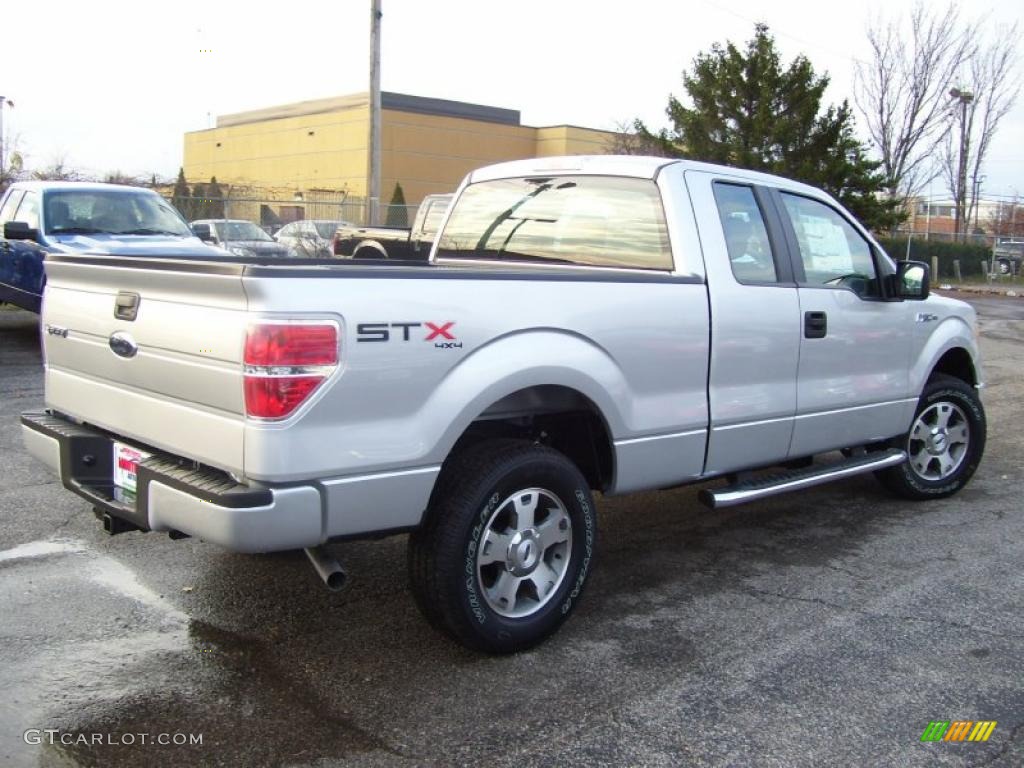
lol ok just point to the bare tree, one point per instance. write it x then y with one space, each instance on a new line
1007 220
58 170
630 140
988 89
902 91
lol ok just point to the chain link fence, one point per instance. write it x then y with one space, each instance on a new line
271 209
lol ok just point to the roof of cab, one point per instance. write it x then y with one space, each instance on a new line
82 185
638 166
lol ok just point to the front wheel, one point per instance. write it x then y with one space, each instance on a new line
506 547
945 442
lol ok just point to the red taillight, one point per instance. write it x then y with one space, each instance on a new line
289 344
269 397
284 364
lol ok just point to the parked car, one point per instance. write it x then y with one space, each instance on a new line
395 242
310 238
1007 256
240 237
582 323
40 217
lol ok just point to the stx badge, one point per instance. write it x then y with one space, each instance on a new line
439 333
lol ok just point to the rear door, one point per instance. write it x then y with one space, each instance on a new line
755 337
853 379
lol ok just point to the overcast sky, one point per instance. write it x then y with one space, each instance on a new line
114 85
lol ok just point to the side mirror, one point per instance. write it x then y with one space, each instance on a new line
912 280
202 231
19 230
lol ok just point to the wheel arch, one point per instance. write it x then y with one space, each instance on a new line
540 384
951 349
555 415
372 249
957 362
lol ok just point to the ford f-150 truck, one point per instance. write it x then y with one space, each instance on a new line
598 323
39 217
399 243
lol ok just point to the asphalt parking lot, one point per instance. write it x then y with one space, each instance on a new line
823 628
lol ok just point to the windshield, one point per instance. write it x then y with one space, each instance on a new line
240 230
111 211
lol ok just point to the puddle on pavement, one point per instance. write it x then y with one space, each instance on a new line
88 649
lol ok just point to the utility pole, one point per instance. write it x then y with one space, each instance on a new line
976 203
960 222
373 172
3 168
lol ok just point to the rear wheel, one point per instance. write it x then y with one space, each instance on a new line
945 442
1003 267
505 550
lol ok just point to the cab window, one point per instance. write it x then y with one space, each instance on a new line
832 252
746 238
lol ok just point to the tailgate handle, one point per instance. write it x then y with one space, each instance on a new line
126 305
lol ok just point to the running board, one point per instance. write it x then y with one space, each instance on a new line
783 482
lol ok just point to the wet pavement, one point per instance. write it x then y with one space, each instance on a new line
823 628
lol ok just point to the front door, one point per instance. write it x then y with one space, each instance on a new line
853 376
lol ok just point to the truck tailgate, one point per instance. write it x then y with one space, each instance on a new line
182 390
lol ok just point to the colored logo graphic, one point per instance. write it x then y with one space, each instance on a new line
958 730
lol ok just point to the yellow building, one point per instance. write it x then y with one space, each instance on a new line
428 145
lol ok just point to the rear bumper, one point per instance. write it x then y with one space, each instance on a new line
202 502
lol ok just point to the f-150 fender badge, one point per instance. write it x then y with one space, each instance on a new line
123 345
56 330
926 317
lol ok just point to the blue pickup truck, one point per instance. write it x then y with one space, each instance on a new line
40 217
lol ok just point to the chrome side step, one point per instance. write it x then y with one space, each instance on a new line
783 482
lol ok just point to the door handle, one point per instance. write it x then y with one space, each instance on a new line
815 325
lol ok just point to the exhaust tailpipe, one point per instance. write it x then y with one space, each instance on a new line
327 568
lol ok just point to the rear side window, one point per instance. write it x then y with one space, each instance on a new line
599 221
435 212
746 238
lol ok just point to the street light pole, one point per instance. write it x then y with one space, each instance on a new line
3 168
373 174
965 98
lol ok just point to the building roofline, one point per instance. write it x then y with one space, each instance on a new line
400 102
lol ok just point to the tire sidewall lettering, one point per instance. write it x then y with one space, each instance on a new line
476 604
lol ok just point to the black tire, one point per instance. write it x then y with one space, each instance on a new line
477 490
1003 267
922 476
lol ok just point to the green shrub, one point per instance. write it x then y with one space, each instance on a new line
971 256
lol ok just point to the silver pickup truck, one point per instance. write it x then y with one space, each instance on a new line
584 323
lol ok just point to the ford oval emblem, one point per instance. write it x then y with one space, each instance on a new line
123 345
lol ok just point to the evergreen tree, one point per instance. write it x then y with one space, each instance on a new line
181 198
215 206
200 202
397 215
749 111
